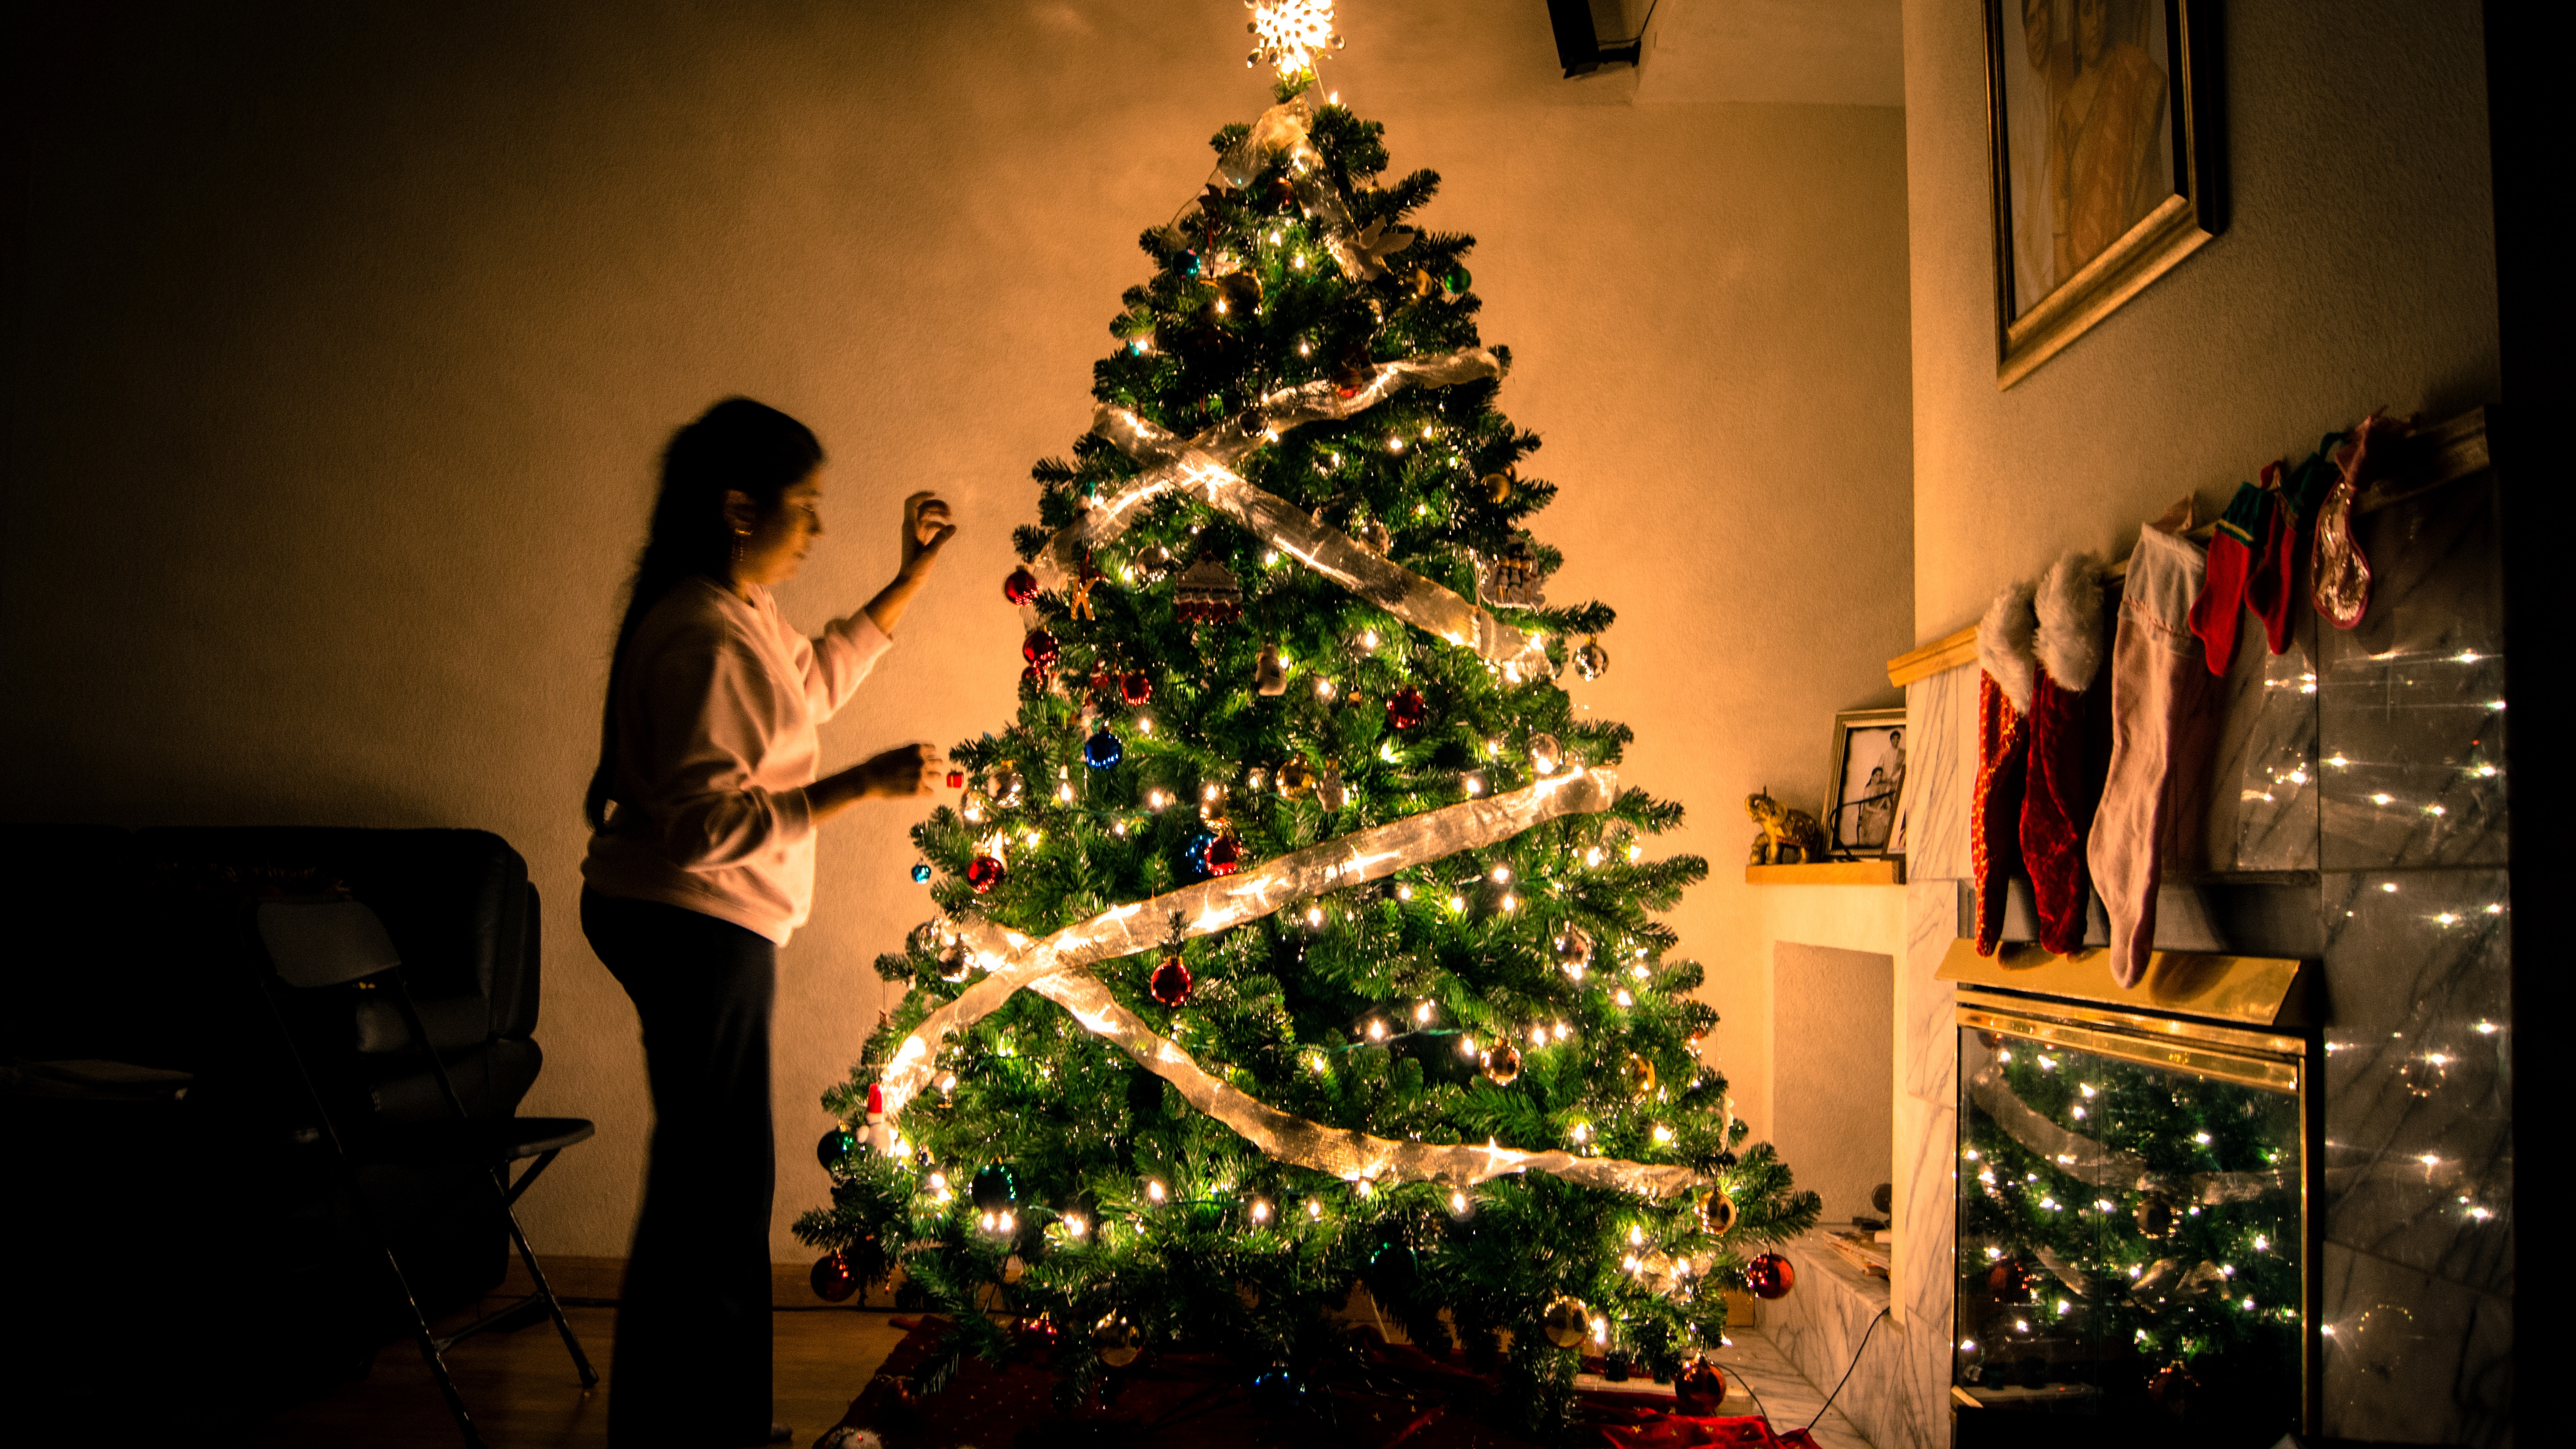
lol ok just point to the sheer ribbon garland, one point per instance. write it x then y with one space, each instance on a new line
1056 967
2095 1165
1201 468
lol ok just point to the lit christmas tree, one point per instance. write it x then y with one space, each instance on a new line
1296 935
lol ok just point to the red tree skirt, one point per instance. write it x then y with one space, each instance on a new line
1198 1401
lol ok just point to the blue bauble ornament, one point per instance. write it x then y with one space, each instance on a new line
1187 264
1195 854
1103 750
920 874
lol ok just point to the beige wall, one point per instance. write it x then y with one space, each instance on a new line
351 338
2357 272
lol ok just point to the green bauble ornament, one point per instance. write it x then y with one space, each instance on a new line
994 1188
838 1143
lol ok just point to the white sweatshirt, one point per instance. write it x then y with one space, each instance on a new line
717 707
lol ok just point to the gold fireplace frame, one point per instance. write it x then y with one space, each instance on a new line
2061 1000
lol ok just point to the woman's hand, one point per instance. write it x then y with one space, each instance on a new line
900 773
903 771
926 530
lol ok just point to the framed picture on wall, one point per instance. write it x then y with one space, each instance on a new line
1868 779
2104 160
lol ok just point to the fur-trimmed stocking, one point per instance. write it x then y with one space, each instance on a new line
2158 686
2004 682
2057 812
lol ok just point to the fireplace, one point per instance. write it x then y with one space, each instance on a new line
2134 1257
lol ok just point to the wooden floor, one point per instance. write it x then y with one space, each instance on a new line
522 1391
523 1394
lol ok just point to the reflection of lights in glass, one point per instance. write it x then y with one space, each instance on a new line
2338 761
2435 810
2488 1028
2381 798
2389 886
2446 919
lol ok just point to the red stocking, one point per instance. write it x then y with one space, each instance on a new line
2236 550
2057 813
2273 583
2003 754
2158 685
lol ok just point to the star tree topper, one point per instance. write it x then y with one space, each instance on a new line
1290 34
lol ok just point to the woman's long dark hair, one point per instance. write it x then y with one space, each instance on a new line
737 445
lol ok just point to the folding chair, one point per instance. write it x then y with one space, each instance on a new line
325 945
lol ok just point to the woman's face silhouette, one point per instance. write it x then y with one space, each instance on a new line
777 542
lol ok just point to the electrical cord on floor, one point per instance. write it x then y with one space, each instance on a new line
1847 1371
1758 1407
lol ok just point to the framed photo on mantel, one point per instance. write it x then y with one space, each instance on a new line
2103 118
1867 781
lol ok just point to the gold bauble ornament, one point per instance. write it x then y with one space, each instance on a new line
1716 1210
1117 1341
1296 779
1497 486
1567 1323
1502 1063
1637 1075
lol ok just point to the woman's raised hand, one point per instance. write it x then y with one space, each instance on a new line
926 530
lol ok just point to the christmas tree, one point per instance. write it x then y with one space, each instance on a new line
1296 934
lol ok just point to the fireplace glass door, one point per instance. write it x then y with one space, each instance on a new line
2131 1236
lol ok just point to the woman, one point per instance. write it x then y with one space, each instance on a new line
702 814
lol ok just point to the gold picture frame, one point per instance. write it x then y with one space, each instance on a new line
2103 160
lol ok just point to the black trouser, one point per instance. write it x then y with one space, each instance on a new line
691 1366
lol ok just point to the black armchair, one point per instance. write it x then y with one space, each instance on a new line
204 1175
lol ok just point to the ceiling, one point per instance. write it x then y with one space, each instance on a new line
1814 52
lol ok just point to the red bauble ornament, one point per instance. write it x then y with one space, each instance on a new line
1699 1389
1405 709
835 1277
1020 587
2008 1283
1136 688
1770 1276
2171 1389
1039 649
1224 855
1039 1333
1170 983
985 873
1035 677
